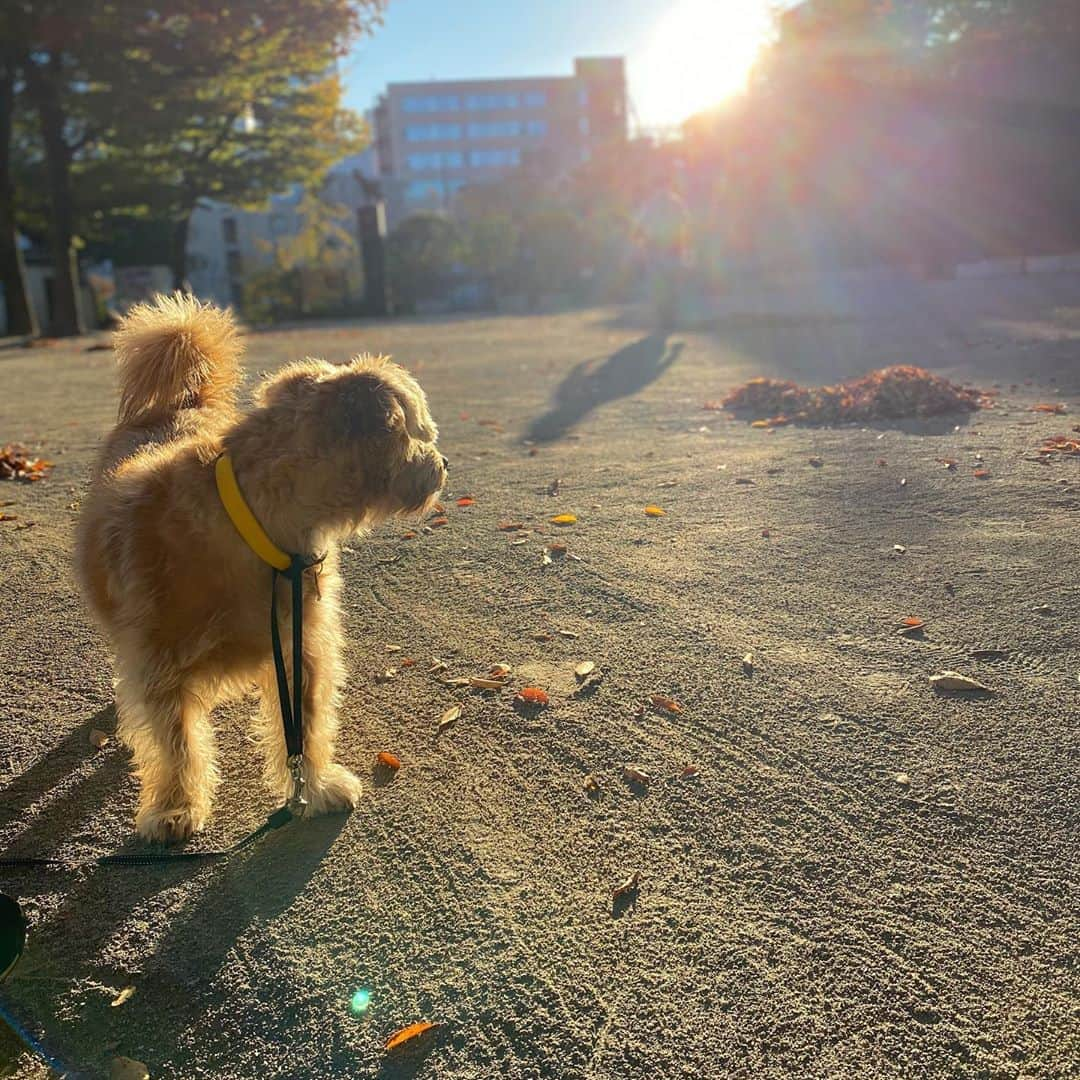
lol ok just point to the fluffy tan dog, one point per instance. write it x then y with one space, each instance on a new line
327 451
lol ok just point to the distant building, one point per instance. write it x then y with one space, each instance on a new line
434 138
226 244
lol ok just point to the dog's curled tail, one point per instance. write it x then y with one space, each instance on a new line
176 353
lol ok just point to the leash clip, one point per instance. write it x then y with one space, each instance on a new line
297 804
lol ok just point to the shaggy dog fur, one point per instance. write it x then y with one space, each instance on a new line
327 451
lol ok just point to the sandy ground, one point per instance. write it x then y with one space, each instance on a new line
866 879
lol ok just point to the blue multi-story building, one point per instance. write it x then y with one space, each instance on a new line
434 138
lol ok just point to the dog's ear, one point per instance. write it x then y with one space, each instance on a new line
292 381
364 406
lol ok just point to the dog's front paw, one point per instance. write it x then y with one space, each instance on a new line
333 790
167 826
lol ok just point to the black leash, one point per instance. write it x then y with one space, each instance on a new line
292 718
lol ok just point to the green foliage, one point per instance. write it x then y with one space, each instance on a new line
421 255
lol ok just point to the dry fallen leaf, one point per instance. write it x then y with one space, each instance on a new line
125 1068
655 511
391 761
437 665
1049 407
690 772
634 775
556 550
912 622
410 535
465 500
564 519
389 675
543 635
748 664
499 671
584 669
533 695
126 994
406 1034
439 522
953 680
450 717
659 701
981 474
511 526
570 634
487 684
630 885
98 738
899 549
591 785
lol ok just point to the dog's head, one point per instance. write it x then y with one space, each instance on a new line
365 433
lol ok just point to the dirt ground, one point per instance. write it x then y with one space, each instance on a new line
865 879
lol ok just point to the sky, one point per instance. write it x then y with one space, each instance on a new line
682 55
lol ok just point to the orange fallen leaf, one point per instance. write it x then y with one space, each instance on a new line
655 511
533 695
670 705
564 519
406 1034
465 501
410 535
981 474
1049 407
630 885
913 621
391 761
408 662
437 523
690 772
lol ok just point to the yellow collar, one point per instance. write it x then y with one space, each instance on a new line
253 534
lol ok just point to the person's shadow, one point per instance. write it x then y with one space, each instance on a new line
593 383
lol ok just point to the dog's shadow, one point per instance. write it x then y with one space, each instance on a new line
217 900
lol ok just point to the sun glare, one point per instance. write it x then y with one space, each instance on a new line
700 52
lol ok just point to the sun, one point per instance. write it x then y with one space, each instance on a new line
699 53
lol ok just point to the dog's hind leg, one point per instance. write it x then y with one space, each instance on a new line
167 726
328 786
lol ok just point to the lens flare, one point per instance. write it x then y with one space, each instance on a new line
359 1002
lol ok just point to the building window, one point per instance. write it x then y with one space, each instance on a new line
228 229
234 261
537 128
495 129
583 97
435 160
491 101
493 159
534 99
432 132
431 103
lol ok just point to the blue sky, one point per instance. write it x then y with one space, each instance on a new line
446 39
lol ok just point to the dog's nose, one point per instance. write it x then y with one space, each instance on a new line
445 464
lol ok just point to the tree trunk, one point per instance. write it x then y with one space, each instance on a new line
43 90
20 311
179 251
